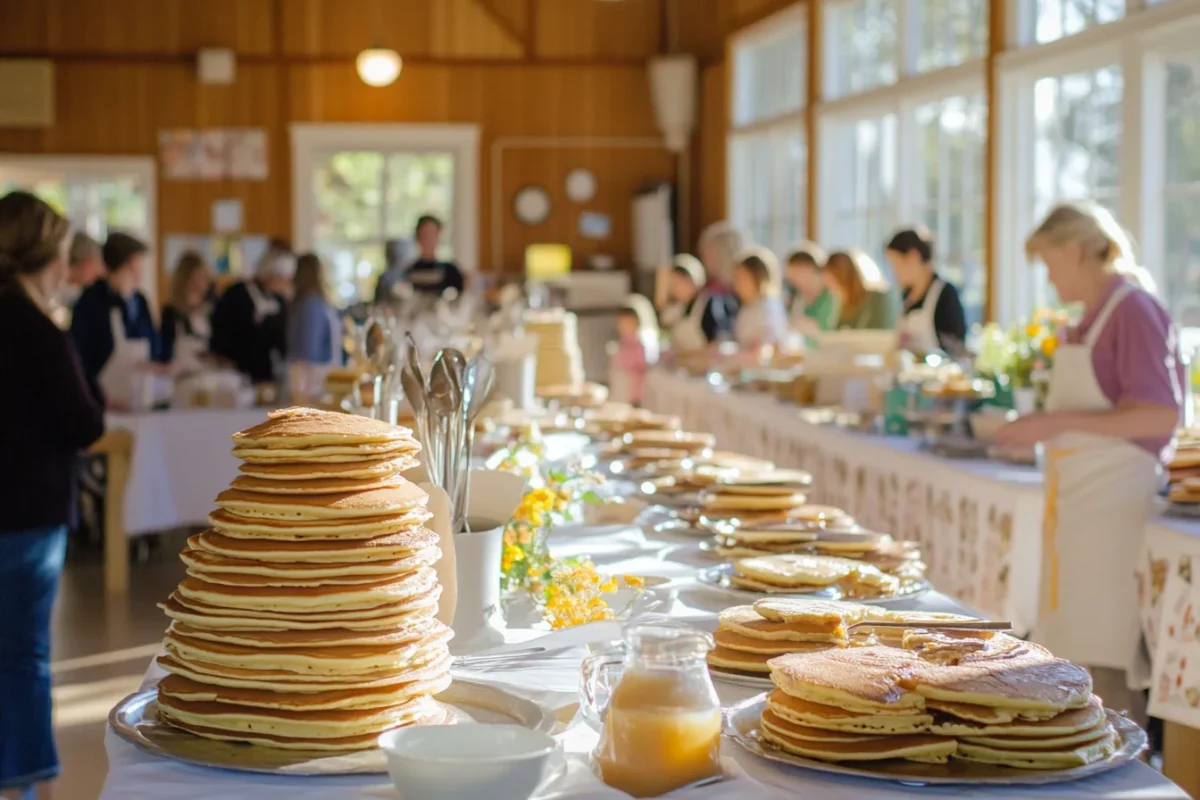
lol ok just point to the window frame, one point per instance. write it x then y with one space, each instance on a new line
775 129
1138 45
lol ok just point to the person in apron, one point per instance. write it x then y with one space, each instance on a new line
814 307
1113 405
185 320
249 324
314 335
693 317
112 325
762 319
864 297
933 317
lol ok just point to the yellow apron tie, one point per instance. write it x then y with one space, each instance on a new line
1049 600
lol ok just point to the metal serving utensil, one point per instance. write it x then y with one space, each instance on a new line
931 625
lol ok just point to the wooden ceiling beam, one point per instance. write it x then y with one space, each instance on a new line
523 39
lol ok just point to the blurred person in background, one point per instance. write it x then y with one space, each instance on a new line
933 317
429 274
634 351
112 325
814 308
761 318
249 322
397 254
693 317
186 328
865 298
1116 387
51 413
314 331
85 266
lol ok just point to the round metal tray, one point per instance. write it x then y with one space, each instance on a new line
742 722
135 719
719 578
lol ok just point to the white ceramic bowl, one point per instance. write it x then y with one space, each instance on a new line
466 761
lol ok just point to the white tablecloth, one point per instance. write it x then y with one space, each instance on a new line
979 522
552 680
181 460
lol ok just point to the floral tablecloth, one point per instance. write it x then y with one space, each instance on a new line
1170 602
979 522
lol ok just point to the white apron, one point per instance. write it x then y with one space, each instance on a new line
191 347
687 333
1099 496
915 328
127 359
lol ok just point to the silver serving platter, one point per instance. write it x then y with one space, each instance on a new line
1181 510
736 678
742 721
135 719
719 578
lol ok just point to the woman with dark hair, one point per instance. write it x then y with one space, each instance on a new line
50 414
814 308
186 327
693 316
314 332
933 316
762 319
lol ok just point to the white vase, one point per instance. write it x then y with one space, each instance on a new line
478 621
1025 400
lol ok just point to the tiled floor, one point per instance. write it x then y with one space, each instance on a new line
102 647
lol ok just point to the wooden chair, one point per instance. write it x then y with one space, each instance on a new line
1181 745
118 447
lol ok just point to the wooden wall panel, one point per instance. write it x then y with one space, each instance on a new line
629 29
466 28
345 27
711 148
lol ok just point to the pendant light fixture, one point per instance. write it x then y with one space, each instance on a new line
378 66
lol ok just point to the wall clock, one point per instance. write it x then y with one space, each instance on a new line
532 205
581 185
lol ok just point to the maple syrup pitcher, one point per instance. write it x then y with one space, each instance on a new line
656 709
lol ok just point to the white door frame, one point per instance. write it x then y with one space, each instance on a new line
311 141
141 168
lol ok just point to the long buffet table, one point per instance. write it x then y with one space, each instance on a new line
553 679
980 526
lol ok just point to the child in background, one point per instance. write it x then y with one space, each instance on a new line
634 351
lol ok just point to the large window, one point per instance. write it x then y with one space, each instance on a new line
862 185
1048 20
767 147
861 45
951 32
1180 229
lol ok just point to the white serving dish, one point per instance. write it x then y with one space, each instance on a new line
466 762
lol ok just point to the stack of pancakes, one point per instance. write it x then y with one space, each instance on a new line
559 359
1186 492
696 473
306 620
998 701
798 573
818 537
616 419
755 497
663 450
1185 463
748 637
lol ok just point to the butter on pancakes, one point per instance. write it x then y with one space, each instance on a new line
748 637
307 618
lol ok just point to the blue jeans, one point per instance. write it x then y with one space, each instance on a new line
30 564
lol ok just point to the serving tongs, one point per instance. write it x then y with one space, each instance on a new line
932 625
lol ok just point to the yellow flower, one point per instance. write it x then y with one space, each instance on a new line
633 581
510 556
1049 345
1032 330
609 585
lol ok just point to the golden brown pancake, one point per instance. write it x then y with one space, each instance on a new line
1064 724
186 609
391 500
361 528
827 717
391 546
296 426
329 598
420 629
318 486
725 658
194 691
824 612
782 733
374 468
213 567
283 681
1061 758
767 647
747 621
717 501
864 680
436 716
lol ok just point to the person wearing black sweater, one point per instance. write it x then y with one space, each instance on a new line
693 316
50 413
112 326
249 323
429 274
933 317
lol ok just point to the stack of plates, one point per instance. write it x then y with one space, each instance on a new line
306 620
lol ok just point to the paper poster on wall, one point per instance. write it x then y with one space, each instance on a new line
247 153
227 216
594 225
227 255
213 154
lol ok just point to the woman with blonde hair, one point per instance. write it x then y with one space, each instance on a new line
185 319
865 298
762 319
314 332
51 413
1116 386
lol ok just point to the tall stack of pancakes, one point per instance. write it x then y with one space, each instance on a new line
559 359
999 701
755 497
306 620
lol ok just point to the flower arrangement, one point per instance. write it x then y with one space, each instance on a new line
522 455
1023 352
566 592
